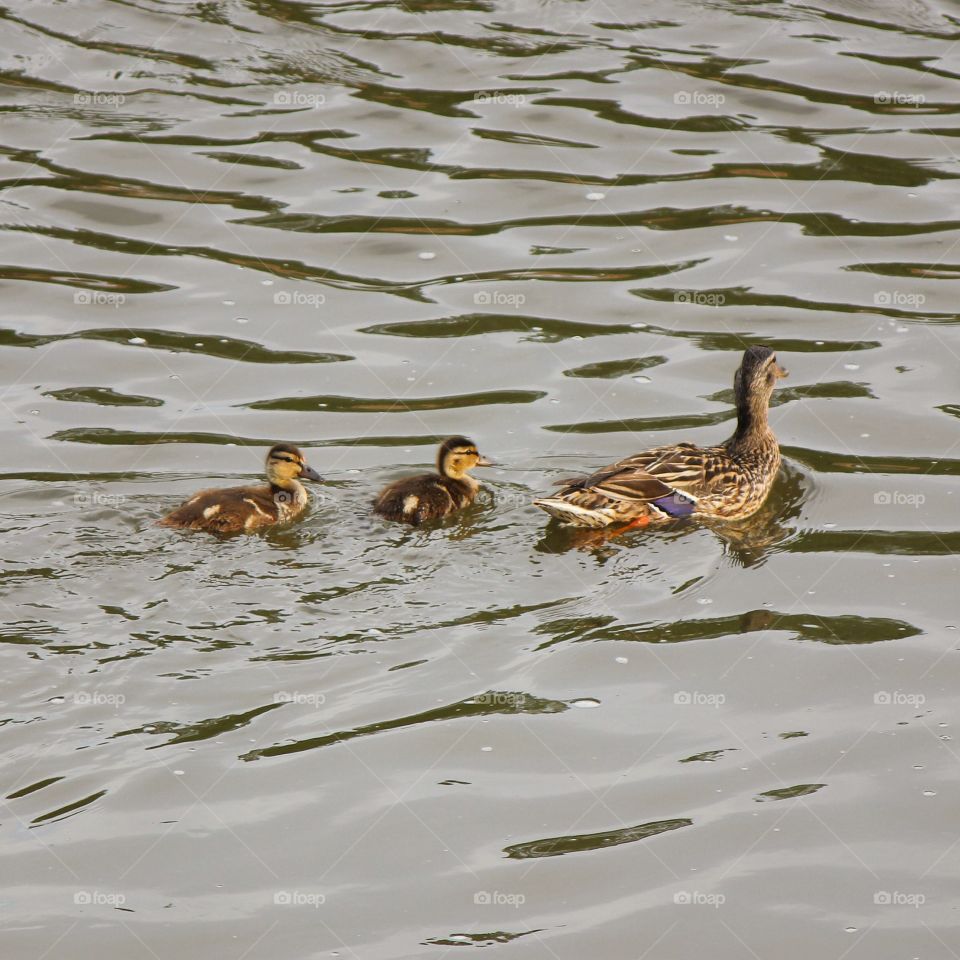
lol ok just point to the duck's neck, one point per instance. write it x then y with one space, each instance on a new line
449 472
285 483
753 430
290 492
446 468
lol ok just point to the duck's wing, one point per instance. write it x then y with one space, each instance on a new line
415 499
655 476
226 510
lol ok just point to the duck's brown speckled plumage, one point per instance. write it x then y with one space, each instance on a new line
431 496
727 481
243 509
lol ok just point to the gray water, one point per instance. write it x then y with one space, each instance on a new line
551 226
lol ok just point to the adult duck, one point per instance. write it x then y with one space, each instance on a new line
729 481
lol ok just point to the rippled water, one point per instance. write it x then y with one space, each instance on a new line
552 226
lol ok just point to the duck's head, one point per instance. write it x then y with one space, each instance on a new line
757 376
286 465
458 455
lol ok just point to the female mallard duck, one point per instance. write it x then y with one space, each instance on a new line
242 509
728 481
431 496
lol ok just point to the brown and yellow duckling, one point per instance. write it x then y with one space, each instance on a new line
431 496
729 481
242 509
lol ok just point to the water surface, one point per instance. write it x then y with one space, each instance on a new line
553 227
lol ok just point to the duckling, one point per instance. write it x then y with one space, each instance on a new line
242 509
431 496
729 481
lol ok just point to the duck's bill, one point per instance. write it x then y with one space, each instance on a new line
308 473
782 371
484 462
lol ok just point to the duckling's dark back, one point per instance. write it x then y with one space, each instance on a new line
230 510
416 500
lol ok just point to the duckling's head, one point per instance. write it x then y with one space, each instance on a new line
286 465
458 455
758 373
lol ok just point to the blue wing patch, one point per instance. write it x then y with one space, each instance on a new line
675 505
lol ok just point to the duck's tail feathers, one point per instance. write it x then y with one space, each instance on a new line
571 513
